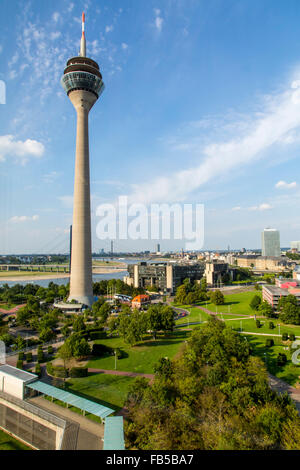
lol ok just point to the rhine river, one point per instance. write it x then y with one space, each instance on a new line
65 280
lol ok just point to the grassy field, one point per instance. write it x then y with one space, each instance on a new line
7 442
7 306
196 314
21 274
250 325
289 373
142 357
109 390
234 303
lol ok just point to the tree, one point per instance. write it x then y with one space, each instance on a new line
65 353
46 335
81 349
154 320
281 359
78 324
217 297
255 302
290 313
266 309
191 298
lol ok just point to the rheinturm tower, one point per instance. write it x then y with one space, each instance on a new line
83 84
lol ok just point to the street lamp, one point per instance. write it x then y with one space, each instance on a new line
241 323
115 359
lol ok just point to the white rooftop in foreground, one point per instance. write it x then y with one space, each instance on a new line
17 373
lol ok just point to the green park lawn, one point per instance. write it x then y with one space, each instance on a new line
8 442
7 306
109 390
142 357
234 303
196 315
289 372
250 325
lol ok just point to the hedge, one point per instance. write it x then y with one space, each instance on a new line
269 342
38 370
19 364
76 372
93 335
56 371
100 350
29 357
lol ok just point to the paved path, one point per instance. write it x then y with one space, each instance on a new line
280 387
13 310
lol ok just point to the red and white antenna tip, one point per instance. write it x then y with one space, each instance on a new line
83 22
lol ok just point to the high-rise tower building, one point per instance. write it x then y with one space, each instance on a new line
83 84
270 242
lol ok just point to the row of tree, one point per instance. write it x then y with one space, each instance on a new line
214 396
132 327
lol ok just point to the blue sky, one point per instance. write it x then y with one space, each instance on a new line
201 105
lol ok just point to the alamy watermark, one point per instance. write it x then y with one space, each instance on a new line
137 221
2 92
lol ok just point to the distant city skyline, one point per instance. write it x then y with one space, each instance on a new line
198 109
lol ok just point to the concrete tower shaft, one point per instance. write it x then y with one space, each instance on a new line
81 262
83 84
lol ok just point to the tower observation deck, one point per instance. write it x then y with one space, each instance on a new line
82 81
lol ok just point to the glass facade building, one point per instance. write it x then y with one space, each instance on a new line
270 242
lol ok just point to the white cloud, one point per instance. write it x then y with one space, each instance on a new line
124 46
262 207
237 208
71 6
284 185
56 16
278 116
24 218
158 22
20 150
108 29
55 35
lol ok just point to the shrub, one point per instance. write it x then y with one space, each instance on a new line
292 337
93 335
78 372
19 364
269 342
271 325
40 356
258 324
21 356
118 353
281 359
285 337
56 371
101 350
38 370
29 357
49 368
50 350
